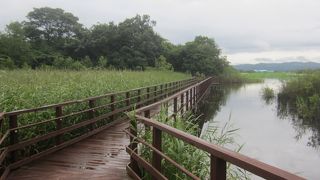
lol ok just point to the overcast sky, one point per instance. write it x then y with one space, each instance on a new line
248 31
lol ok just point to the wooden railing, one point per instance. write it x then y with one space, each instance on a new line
219 156
69 122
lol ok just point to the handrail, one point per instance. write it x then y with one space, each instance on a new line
219 156
17 112
93 122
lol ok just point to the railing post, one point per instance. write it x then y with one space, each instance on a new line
218 168
161 91
148 93
92 103
166 90
58 123
194 96
134 147
156 142
147 115
128 98
191 106
13 135
187 100
182 101
139 98
112 106
155 94
175 107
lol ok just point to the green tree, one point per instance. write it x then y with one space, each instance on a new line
162 64
13 44
52 31
202 55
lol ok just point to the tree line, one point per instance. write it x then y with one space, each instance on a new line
55 38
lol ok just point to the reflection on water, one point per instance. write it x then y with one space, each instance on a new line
270 131
287 111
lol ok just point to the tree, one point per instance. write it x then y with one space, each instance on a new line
137 34
51 29
202 55
13 44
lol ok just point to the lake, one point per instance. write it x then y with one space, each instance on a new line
268 135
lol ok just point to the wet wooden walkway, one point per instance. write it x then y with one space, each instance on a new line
101 156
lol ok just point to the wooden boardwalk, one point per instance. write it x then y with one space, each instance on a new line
101 156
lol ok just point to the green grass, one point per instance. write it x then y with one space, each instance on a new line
260 76
31 88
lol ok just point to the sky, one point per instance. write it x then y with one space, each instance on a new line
247 31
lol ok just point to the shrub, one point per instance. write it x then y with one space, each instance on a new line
162 64
6 63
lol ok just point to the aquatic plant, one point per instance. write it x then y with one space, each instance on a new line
190 157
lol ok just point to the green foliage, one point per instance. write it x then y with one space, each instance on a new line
201 55
162 64
52 25
6 63
302 94
13 44
103 62
86 61
268 94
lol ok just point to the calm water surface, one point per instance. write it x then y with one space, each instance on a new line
267 135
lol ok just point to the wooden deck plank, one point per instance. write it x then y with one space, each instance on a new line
101 156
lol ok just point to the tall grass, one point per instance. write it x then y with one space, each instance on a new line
31 88
21 89
302 94
190 157
268 94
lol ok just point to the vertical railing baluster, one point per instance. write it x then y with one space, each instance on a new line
190 99
157 143
166 86
139 98
218 168
134 147
161 91
175 107
155 94
13 123
92 104
147 115
58 123
128 98
148 93
182 102
112 106
187 100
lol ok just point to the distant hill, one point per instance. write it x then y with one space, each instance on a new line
287 66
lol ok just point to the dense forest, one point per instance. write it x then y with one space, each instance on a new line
53 38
